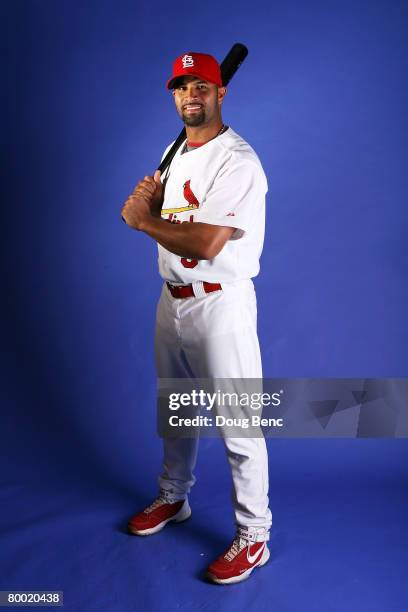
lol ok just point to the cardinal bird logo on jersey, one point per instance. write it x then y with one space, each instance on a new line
190 197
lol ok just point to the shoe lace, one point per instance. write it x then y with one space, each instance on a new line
237 545
159 501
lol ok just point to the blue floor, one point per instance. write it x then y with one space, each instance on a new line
339 540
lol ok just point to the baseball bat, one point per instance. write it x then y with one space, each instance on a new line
229 66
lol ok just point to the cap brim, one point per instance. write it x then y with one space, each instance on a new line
173 82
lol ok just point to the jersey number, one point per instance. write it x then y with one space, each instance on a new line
189 263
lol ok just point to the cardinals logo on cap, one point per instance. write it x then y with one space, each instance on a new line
188 61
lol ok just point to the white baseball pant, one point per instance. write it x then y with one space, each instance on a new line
214 337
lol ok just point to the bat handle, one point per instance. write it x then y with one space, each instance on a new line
172 151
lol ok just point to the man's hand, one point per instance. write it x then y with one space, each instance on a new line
146 200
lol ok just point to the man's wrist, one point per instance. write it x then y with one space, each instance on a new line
146 223
156 212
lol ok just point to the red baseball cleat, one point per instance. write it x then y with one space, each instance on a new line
238 562
153 518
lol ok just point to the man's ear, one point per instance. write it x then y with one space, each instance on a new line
222 91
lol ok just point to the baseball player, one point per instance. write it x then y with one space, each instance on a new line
207 217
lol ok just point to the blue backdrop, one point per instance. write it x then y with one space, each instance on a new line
322 98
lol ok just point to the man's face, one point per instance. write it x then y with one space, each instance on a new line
198 102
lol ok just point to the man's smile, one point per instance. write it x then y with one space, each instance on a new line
192 108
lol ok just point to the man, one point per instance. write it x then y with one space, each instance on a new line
208 222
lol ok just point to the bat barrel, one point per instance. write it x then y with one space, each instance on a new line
232 62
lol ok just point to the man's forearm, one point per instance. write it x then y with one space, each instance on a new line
190 240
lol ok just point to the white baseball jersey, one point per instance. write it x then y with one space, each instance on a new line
220 183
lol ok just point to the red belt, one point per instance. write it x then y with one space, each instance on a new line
185 291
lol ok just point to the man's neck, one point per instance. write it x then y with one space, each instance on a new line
202 134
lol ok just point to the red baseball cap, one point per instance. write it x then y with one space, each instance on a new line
199 65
